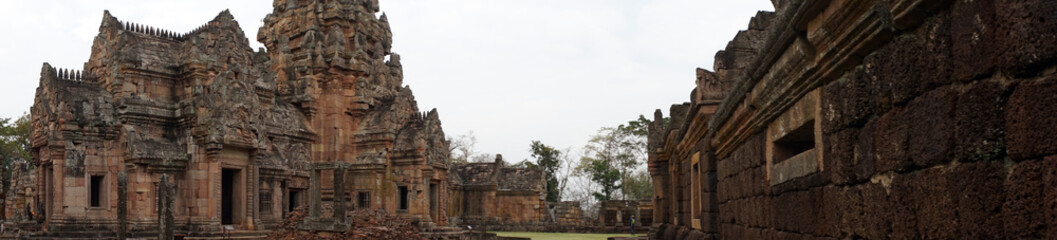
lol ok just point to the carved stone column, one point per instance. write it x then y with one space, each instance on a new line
122 205
314 195
166 190
339 194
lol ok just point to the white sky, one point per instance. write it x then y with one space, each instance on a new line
510 71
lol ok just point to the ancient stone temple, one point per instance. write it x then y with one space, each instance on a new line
493 195
245 136
901 119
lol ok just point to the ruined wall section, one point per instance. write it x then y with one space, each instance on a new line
493 195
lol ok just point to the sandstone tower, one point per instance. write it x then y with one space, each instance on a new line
237 130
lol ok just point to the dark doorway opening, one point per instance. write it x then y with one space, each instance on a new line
227 196
295 199
433 202
403 197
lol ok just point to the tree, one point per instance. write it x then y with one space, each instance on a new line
565 171
462 147
14 138
639 186
616 148
548 159
621 149
604 174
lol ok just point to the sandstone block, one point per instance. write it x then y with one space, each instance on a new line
929 124
1030 121
846 102
1023 212
973 43
891 140
1026 32
979 117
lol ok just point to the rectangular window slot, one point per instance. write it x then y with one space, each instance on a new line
265 203
363 200
96 191
798 141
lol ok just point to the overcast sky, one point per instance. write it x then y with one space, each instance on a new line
510 71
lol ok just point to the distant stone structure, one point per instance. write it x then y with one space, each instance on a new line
616 214
494 194
237 130
903 119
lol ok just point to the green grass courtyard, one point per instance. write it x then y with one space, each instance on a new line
564 236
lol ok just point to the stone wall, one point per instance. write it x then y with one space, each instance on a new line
494 194
567 213
871 120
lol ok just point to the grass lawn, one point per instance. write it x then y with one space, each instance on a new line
563 236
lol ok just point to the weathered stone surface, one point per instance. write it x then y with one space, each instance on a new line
891 141
489 195
1030 125
979 122
1024 213
1027 35
929 123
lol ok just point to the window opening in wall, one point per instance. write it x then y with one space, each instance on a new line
363 200
266 203
157 203
403 197
798 141
96 191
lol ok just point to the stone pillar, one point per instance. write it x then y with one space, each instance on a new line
339 194
122 205
314 198
166 190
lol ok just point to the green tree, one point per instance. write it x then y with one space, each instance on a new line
14 138
638 127
605 175
621 149
548 159
639 186
610 150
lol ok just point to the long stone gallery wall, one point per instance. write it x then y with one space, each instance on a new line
897 119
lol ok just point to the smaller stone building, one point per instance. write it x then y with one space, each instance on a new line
617 213
495 194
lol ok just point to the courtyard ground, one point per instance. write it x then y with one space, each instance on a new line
564 236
